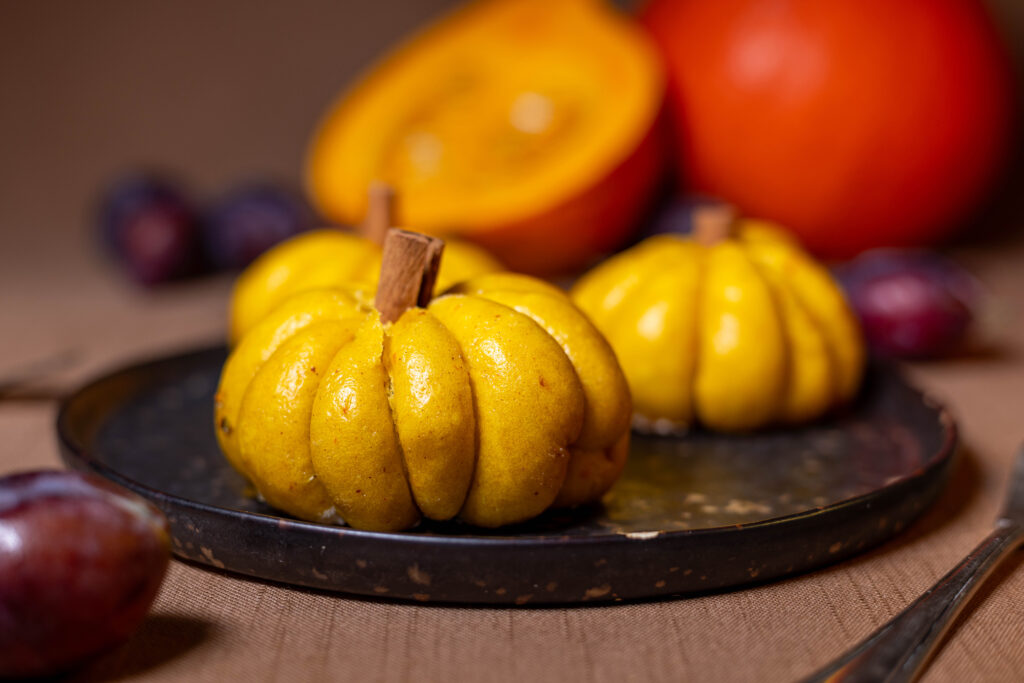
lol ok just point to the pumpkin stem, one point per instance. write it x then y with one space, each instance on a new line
407 272
713 223
380 212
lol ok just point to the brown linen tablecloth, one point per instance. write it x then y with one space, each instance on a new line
221 93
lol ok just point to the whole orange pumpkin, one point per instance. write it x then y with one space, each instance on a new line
857 123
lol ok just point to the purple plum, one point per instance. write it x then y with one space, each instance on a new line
250 220
151 226
912 304
81 561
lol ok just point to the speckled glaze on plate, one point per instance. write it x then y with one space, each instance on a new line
692 514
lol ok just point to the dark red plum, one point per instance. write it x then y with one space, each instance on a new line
912 304
81 561
675 215
250 220
151 226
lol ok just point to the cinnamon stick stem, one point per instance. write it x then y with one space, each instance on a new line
380 212
713 223
407 273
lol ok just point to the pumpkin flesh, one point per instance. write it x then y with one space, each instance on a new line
497 119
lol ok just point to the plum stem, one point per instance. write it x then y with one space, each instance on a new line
408 271
713 223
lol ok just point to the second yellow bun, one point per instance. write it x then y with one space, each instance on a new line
735 334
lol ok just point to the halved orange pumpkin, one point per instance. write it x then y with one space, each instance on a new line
528 126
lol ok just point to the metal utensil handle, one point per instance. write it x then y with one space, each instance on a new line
898 650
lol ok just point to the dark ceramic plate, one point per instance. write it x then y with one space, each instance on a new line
690 514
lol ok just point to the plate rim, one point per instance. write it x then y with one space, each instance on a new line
74 453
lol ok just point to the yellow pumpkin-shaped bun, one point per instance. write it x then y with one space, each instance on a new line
490 403
736 328
329 258
333 258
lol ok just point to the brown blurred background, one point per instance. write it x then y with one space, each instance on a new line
218 92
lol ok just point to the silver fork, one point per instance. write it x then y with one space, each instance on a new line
20 385
899 649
